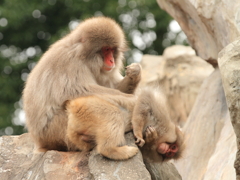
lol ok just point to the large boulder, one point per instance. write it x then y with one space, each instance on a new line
229 63
20 160
210 140
210 25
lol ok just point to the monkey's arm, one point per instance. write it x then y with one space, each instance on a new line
96 89
138 125
131 80
139 120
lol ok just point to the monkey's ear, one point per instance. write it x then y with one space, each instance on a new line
65 104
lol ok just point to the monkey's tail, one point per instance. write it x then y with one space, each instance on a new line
118 153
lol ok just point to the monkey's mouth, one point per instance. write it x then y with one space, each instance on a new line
163 148
108 68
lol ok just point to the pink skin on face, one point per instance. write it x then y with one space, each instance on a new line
169 150
109 63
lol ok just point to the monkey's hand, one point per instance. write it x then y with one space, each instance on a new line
151 134
133 71
131 80
140 141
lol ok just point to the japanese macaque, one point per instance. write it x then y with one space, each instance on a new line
158 137
85 62
101 121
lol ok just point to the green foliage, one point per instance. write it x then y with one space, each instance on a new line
28 28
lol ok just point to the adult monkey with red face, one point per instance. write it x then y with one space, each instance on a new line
85 62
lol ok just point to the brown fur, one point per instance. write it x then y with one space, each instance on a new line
72 68
105 119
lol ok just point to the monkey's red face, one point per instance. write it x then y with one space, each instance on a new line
108 59
168 150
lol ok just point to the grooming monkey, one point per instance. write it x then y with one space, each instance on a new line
85 62
101 121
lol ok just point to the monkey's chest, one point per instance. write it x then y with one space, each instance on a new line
105 81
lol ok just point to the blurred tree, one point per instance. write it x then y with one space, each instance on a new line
27 28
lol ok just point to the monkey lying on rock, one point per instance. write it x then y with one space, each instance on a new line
101 121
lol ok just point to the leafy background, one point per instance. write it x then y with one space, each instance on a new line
28 28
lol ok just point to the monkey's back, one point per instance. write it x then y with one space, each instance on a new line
89 113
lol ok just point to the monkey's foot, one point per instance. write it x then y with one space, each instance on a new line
131 151
120 153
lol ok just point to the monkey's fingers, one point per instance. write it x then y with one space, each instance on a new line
151 133
133 70
140 142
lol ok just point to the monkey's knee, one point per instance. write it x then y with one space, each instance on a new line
78 140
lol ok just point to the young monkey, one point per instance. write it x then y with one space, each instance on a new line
158 137
101 121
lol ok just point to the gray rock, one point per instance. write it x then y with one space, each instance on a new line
210 25
229 63
19 160
209 150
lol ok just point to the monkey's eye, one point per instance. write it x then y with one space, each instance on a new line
173 147
169 154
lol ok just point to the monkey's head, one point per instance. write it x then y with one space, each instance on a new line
172 150
103 42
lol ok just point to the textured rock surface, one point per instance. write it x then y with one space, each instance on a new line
19 160
210 25
164 171
181 73
229 63
210 139
102 168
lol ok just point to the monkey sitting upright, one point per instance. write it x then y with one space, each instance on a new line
101 121
86 61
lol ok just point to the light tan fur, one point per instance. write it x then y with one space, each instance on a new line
72 67
105 119
152 110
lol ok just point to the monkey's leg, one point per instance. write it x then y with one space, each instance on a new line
139 120
111 138
76 136
52 136
83 142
